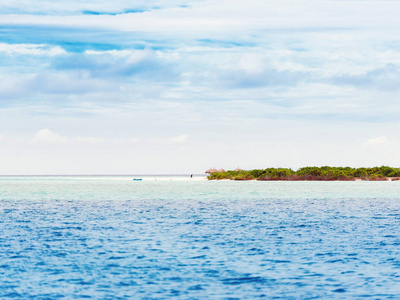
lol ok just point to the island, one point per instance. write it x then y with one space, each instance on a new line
326 173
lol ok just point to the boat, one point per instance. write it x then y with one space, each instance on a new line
137 179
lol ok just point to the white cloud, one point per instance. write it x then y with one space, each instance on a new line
219 16
159 140
145 64
46 136
31 49
252 63
127 141
76 6
378 141
49 137
89 140
179 139
111 52
43 7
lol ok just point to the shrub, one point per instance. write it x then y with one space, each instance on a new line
310 173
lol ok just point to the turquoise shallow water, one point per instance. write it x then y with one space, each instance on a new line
112 238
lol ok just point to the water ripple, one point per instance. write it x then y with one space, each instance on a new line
204 240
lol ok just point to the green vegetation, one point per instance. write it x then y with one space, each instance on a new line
310 173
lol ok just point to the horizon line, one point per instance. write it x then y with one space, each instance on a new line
181 174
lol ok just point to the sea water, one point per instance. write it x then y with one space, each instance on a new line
180 238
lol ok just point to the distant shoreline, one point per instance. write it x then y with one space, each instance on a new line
352 179
326 173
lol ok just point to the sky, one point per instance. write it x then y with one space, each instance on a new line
178 86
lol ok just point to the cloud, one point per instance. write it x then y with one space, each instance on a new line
38 87
236 16
268 76
51 82
48 137
382 78
94 7
128 141
179 139
112 64
89 140
378 141
31 49
14 87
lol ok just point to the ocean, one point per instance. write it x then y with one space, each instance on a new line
171 237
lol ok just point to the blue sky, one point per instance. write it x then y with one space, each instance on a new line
127 87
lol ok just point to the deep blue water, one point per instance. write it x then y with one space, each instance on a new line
112 238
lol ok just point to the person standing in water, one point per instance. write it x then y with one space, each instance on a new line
191 176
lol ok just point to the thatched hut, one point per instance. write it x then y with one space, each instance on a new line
238 169
211 170
221 170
